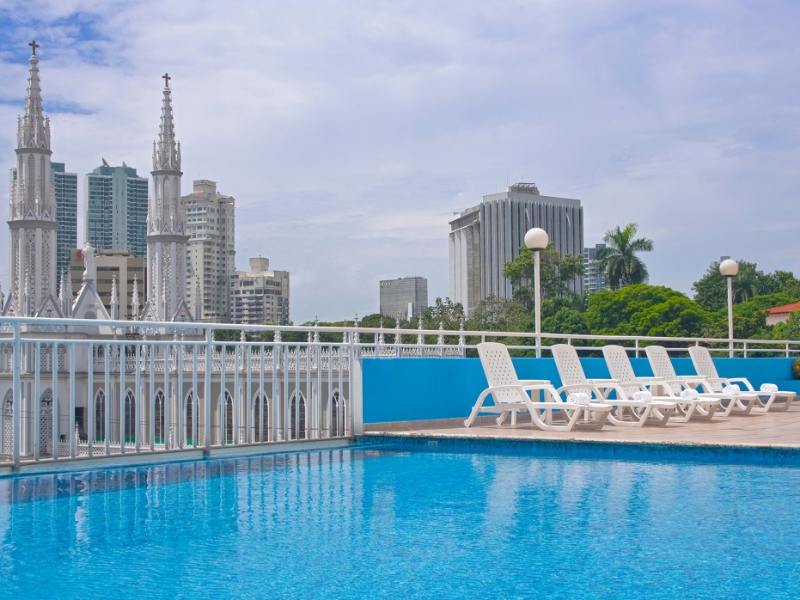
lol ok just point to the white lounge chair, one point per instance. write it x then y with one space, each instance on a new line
742 403
573 379
620 368
511 395
662 368
765 400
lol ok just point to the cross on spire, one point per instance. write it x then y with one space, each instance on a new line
166 79
34 45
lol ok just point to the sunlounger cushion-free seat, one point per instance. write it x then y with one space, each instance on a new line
627 412
620 368
512 395
765 401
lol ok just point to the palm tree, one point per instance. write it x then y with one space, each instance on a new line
618 259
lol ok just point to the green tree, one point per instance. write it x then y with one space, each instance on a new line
618 259
556 273
566 320
644 310
711 290
499 314
446 312
788 330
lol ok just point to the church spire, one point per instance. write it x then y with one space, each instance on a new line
33 130
166 156
166 222
135 300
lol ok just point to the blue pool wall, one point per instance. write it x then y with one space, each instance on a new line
417 389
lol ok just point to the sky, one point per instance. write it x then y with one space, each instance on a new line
350 132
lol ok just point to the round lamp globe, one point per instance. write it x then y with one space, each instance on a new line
728 268
536 239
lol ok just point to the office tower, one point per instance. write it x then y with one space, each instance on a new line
112 265
260 296
115 209
211 252
32 215
487 236
404 298
65 188
594 278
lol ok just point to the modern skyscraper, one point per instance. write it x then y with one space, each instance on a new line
594 278
260 296
485 237
65 187
166 225
404 298
32 219
115 209
211 251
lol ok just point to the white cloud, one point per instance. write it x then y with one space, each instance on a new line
349 132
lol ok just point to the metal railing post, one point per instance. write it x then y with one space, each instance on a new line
17 393
207 391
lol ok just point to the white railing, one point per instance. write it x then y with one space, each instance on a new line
126 387
161 387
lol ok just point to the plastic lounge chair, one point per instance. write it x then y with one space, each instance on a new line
764 401
619 365
674 384
510 395
641 412
741 403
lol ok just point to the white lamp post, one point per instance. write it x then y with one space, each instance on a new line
729 269
536 239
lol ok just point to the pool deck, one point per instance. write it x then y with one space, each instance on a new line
773 429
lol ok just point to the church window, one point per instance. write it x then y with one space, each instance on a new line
100 416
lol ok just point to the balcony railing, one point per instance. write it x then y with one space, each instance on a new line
133 387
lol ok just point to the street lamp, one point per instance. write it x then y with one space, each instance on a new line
536 239
729 268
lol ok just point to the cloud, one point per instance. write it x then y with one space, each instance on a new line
350 132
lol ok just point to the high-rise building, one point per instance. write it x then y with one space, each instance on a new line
404 298
115 209
594 278
487 236
260 296
65 188
166 225
32 219
127 270
211 251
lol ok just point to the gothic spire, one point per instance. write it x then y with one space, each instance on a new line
166 156
114 299
33 130
135 300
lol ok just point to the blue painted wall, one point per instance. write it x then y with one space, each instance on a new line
413 389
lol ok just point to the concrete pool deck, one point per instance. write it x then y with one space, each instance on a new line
773 429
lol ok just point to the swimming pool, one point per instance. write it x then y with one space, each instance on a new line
393 522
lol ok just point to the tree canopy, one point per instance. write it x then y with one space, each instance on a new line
711 290
556 273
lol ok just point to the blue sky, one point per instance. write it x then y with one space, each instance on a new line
350 132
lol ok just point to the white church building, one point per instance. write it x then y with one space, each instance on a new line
102 386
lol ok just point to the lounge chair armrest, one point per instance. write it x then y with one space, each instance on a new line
533 381
595 391
609 381
649 380
744 381
685 380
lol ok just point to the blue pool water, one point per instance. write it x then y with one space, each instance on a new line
370 523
